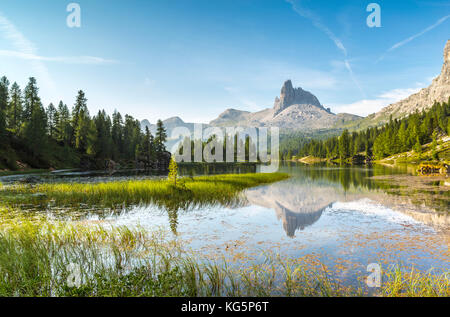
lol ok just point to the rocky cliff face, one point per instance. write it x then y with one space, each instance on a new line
438 91
294 96
295 109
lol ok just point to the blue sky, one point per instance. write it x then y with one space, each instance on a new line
196 58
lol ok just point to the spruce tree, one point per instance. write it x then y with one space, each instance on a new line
63 127
31 99
418 147
117 135
78 113
52 120
434 144
344 145
4 98
160 138
15 108
35 131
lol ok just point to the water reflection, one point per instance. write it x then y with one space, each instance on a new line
341 214
296 202
300 201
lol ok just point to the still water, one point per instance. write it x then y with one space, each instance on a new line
347 218
344 217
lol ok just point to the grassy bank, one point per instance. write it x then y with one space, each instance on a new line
189 192
311 160
40 258
412 157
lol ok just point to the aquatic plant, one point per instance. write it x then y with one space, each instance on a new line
197 191
43 258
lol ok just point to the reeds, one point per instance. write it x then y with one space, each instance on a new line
198 191
38 257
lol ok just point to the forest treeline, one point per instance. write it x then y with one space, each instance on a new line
396 136
56 136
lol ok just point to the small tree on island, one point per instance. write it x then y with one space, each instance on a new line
173 171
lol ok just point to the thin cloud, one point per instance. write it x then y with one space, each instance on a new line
315 20
24 46
242 99
411 38
308 14
24 49
367 106
90 60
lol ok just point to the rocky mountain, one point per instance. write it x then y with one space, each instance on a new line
438 91
169 124
295 109
299 110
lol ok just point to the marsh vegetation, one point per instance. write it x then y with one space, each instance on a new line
42 258
42 254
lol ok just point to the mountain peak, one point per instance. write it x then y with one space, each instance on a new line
287 86
294 96
174 120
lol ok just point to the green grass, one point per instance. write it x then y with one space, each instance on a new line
198 191
38 257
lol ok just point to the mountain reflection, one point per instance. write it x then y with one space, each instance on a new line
298 203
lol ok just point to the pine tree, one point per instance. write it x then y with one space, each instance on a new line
418 147
344 145
4 98
91 138
403 137
434 144
173 171
160 138
83 133
63 127
148 147
103 142
78 113
15 108
35 131
117 135
31 99
52 120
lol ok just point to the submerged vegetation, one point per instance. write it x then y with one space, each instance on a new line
42 258
188 192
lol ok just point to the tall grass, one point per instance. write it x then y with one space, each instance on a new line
223 189
37 258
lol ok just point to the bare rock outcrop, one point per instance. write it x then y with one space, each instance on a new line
438 91
294 96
